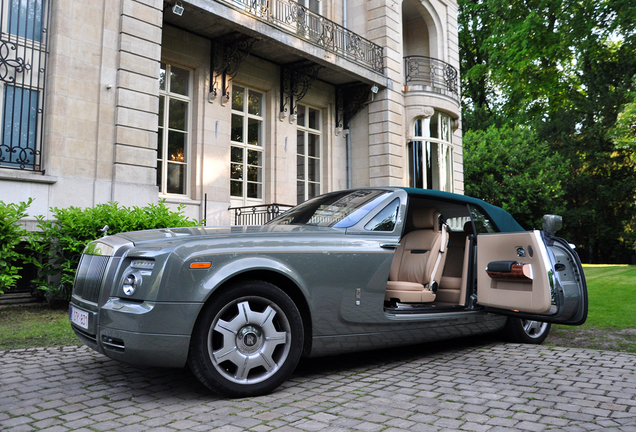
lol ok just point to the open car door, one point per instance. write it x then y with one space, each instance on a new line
531 275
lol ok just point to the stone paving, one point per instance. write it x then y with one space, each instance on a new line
462 385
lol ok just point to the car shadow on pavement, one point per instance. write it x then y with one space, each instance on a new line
116 381
400 354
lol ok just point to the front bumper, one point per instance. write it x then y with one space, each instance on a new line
144 334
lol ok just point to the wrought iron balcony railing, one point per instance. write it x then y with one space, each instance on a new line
258 214
427 71
288 15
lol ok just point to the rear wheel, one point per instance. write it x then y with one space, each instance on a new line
247 341
526 331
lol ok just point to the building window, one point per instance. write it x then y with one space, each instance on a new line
246 155
19 127
308 153
431 153
173 138
23 32
312 5
25 19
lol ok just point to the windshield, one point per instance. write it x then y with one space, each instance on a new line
338 210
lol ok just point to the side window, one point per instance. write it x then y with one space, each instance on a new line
482 223
386 219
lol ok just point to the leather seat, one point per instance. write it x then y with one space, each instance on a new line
419 260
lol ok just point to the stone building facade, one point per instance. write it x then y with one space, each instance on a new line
219 104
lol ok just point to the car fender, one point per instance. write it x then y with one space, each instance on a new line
238 267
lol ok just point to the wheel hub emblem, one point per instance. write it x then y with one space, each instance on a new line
249 339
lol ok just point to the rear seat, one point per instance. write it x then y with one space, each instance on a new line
452 287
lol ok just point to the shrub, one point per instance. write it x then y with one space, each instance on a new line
61 240
11 234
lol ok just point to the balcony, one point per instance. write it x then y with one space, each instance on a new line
347 56
298 20
430 74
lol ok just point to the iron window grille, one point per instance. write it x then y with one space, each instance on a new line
23 58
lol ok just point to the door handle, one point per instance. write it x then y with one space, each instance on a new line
389 245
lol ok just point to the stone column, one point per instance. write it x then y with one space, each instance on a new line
386 123
137 106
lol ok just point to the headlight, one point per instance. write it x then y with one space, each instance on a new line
143 264
131 281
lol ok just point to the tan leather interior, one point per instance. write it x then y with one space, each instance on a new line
418 262
452 287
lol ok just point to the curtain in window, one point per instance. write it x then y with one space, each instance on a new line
19 127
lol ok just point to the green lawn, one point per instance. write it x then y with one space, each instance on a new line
612 312
612 296
35 326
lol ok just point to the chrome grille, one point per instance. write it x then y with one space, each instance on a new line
90 274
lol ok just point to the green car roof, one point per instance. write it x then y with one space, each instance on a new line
501 218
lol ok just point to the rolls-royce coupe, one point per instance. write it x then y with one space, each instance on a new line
346 271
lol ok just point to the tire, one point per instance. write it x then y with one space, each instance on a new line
526 331
247 341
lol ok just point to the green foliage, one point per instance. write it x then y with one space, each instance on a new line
510 168
61 240
624 131
563 69
11 234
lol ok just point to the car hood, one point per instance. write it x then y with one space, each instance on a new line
172 235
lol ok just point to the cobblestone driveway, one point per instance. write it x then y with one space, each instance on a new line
465 385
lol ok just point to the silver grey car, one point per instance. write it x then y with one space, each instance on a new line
347 271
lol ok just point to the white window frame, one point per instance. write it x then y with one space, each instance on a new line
167 95
306 131
440 147
245 200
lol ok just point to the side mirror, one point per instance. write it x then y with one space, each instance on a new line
552 223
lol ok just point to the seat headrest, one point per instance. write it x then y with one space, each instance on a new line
468 227
426 218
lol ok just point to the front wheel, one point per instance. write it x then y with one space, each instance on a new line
526 331
247 341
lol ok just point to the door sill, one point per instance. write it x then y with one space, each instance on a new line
419 308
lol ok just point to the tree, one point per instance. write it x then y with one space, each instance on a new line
562 69
624 131
508 167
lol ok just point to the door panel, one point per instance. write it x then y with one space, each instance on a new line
532 276
523 287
